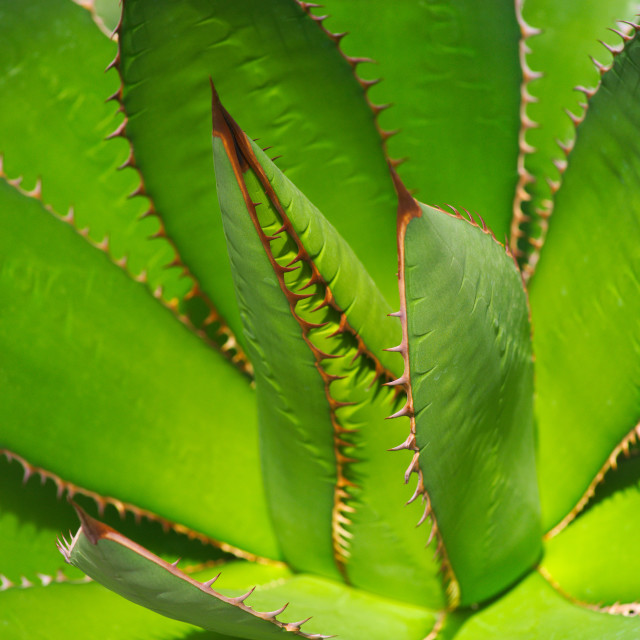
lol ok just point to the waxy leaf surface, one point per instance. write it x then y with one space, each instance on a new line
469 368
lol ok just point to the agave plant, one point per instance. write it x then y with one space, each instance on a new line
213 381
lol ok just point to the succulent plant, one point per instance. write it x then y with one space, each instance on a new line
213 381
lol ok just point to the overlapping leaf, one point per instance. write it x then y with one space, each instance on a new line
313 326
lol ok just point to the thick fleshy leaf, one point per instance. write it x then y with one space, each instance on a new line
469 376
450 72
228 607
534 611
569 35
52 65
585 297
313 111
324 436
594 559
107 390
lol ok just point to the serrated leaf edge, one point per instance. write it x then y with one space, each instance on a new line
353 62
236 142
96 531
104 246
408 209
519 218
625 609
544 213
224 339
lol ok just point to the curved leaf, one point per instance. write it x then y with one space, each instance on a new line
469 376
313 111
324 437
585 297
110 392
450 72
133 572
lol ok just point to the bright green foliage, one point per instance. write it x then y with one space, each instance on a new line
211 352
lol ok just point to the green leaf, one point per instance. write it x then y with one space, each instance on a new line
469 374
451 74
99 360
585 298
51 64
313 111
130 570
594 558
570 34
324 437
534 611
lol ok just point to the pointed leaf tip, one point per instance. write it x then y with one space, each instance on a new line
407 205
92 529
226 128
